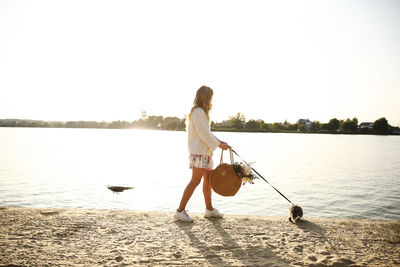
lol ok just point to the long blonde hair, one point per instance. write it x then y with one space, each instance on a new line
203 100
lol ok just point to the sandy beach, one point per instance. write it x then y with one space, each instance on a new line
57 237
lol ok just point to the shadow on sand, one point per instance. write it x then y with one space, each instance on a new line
248 253
308 226
208 254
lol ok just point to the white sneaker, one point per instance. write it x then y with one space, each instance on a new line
182 216
213 214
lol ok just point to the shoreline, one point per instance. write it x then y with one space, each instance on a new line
215 130
60 236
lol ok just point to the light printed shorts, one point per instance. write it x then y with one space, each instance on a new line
201 161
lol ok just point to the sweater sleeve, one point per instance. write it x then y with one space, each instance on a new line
216 138
203 128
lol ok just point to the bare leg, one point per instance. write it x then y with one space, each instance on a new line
207 190
197 173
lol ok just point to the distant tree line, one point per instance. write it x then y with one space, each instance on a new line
239 123
235 123
150 122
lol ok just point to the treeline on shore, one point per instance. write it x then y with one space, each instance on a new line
237 123
145 122
348 126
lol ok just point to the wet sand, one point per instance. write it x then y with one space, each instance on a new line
78 237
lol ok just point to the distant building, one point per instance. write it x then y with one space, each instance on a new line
366 125
307 123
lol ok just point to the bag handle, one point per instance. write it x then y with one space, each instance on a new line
230 154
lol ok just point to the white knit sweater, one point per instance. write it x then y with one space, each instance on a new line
200 139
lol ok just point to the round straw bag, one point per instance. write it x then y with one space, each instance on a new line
224 180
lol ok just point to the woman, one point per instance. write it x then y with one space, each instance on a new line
201 143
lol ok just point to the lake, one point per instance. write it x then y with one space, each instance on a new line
335 176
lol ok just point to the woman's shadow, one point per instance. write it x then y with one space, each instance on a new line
208 253
249 254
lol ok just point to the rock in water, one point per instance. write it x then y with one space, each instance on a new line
118 189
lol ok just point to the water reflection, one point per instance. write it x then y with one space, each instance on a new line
328 175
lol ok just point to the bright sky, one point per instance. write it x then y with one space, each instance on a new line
271 60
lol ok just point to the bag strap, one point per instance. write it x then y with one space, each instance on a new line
230 154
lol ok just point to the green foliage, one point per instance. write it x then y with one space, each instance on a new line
333 125
302 128
237 121
119 124
170 123
349 125
276 126
324 126
381 126
292 127
253 124
315 126
265 126
153 122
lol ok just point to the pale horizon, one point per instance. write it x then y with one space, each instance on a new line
269 60
185 117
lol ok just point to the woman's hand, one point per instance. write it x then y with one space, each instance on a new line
224 146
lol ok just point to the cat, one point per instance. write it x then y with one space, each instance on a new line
295 213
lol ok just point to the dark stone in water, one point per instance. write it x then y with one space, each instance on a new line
118 189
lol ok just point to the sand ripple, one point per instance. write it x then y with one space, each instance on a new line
114 237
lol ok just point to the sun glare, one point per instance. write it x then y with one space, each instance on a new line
267 60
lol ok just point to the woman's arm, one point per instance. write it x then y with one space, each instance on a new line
217 138
203 128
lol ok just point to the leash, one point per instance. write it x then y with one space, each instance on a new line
262 177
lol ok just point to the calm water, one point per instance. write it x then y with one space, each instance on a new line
328 175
